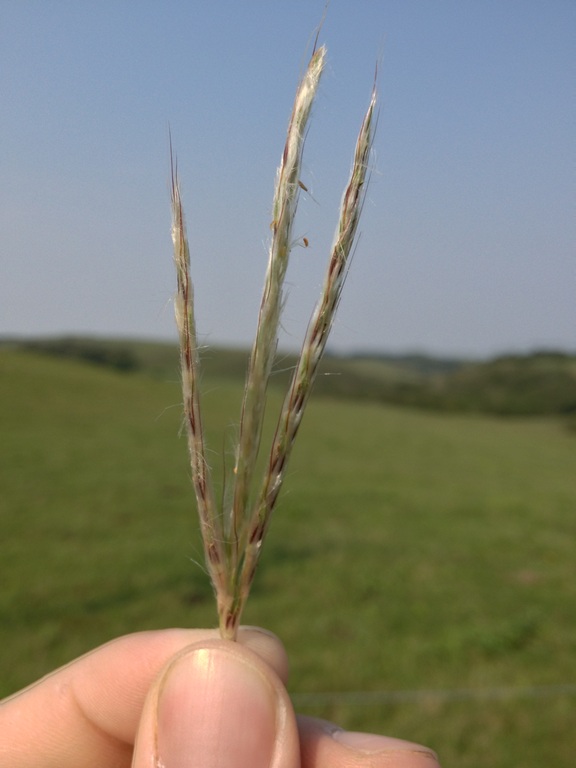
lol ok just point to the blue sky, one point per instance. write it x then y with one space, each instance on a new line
468 235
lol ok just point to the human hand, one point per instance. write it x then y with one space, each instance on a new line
182 699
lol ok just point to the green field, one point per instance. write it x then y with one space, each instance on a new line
411 552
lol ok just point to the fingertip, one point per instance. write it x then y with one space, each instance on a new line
222 702
324 745
268 647
374 744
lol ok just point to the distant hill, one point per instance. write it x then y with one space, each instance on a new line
540 383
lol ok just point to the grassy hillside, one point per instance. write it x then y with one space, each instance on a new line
412 551
535 384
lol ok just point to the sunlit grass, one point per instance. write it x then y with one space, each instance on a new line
432 552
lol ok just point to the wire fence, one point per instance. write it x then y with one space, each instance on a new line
367 698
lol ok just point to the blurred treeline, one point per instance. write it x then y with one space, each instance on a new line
535 384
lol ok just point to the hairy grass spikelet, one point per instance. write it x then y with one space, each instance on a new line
233 536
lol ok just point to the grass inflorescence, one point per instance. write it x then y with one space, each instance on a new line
233 535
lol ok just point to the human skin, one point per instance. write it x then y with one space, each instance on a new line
182 698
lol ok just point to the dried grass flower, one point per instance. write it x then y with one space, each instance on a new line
233 533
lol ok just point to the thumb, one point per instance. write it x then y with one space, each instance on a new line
217 704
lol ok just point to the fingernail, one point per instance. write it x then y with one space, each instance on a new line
372 744
216 710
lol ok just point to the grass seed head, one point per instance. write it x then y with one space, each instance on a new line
233 536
